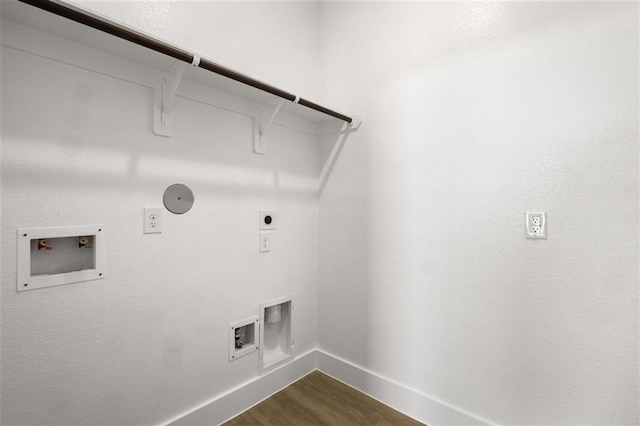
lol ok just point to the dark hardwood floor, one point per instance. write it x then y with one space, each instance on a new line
318 399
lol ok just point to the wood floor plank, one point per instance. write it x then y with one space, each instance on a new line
318 399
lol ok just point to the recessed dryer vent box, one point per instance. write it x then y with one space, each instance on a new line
62 255
276 337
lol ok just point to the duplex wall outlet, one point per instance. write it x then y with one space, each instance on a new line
267 219
536 225
152 223
265 241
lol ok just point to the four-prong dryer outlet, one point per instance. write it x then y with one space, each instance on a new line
267 219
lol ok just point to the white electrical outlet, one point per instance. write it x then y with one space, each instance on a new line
536 225
265 242
152 223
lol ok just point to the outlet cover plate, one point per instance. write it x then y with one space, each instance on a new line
267 219
535 225
265 241
152 221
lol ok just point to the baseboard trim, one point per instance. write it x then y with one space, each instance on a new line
422 407
411 402
228 405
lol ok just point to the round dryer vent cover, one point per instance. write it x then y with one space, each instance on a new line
178 198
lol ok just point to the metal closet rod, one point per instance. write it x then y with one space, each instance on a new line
177 53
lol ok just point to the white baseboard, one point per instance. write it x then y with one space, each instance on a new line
235 401
409 401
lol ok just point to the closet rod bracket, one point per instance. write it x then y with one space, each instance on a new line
264 122
165 97
169 90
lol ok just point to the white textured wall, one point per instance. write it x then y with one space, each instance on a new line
151 340
476 113
273 41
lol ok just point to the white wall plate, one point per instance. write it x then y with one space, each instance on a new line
63 258
535 225
268 219
249 328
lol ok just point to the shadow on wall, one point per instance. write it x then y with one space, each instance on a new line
212 147
425 275
78 148
331 152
